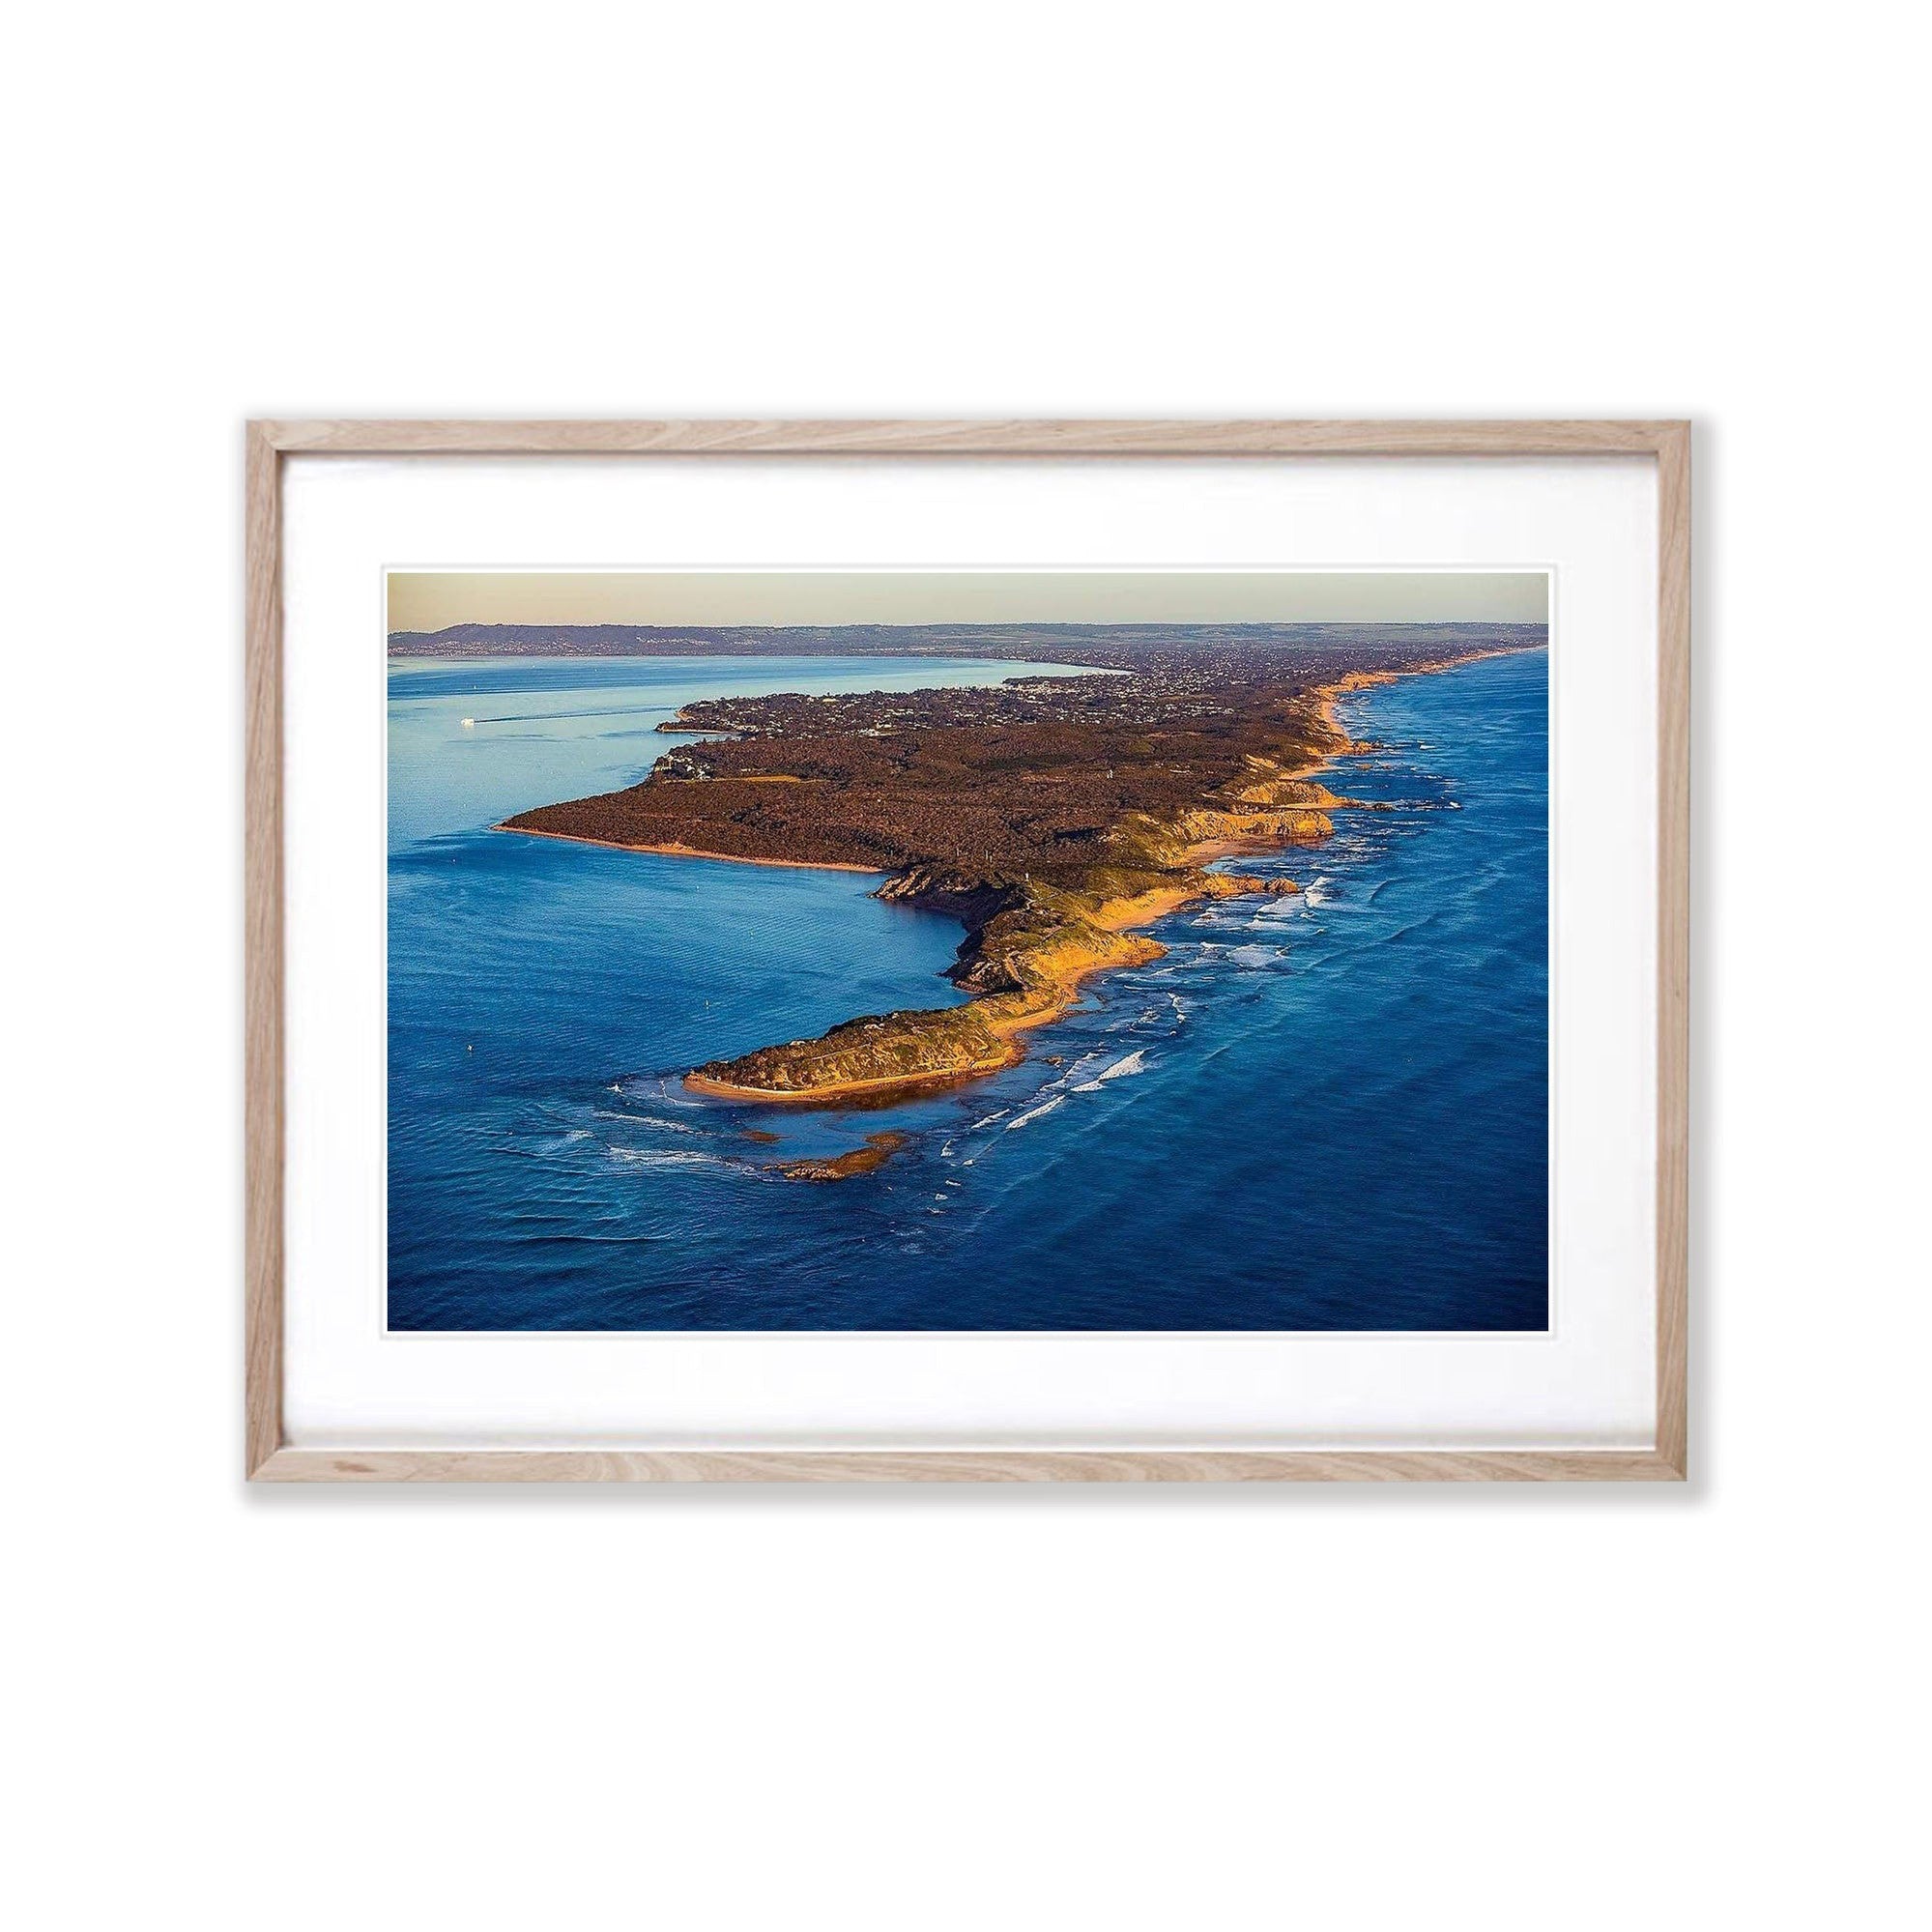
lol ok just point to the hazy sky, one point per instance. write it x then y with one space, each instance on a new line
430 600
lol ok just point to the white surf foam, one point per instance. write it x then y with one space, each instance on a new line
1135 1063
646 1120
663 1157
1034 1113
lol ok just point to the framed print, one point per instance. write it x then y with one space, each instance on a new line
1082 951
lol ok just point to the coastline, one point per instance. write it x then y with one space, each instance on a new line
691 851
1004 1027
1331 695
1116 916
1081 938
1062 984
717 1090
1328 697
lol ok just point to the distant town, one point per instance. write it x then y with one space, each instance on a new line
1129 646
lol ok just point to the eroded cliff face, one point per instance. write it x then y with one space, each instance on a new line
1225 828
1029 946
882 1049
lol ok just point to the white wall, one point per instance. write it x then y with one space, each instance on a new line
1334 1708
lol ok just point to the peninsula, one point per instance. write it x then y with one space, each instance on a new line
1051 816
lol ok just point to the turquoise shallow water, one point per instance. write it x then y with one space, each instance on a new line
1324 1111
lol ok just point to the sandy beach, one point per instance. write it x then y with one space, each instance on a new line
817 1095
691 851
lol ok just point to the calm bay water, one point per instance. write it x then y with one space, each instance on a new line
1324 1111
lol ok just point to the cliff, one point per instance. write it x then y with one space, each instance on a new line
1028 948
1051 816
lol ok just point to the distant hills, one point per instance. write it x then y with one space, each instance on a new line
1114 644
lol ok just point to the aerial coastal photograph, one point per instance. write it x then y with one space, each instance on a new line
967 950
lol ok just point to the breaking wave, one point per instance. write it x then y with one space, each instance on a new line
665 1157
646 1120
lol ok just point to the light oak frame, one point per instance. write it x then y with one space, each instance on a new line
270 1459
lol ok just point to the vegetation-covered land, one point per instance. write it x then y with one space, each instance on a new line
1051 816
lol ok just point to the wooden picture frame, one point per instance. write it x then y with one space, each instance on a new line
268 1457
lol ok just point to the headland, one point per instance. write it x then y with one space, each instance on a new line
1052 817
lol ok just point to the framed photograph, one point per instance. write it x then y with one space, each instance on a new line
1027 951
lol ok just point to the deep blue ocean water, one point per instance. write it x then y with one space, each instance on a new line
1327 1112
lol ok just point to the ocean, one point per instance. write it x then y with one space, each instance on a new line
1321 1111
